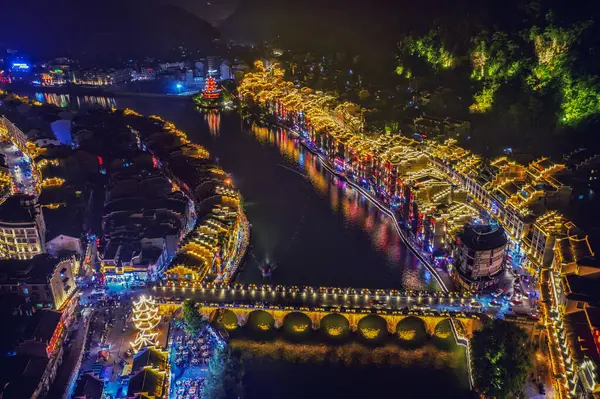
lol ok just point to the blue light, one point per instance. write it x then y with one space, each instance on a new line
179 85
20 65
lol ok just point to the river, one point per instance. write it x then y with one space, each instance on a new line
317 231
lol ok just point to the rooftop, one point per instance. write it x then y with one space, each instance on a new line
42 325
21 376
34 270
483 237
89 387
150 357
575 249
12 210
582 288
145 380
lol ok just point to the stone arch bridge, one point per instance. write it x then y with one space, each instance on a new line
463 323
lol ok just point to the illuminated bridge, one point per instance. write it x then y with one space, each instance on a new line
312 307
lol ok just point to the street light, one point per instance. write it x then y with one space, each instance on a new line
179 86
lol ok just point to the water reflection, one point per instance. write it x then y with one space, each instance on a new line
350 204
213 119
66 100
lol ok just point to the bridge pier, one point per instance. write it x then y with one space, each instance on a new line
242 319
392 323
430 324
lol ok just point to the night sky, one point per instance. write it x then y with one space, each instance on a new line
73 27
47 27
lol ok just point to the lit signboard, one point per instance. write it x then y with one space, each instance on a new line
20 65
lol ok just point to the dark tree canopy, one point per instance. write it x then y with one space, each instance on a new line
501 359
192 319
225 372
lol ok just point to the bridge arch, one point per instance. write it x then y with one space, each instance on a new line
411 329
335 325
372 327
297 323
443 329
225 318
261 321
461 328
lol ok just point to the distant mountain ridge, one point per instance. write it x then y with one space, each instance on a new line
102 30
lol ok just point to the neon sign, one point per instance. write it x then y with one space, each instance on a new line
20 65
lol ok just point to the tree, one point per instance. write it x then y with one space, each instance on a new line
192 319
225 372
238 76
363 94
501 359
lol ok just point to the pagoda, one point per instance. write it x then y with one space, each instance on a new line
210 91
146 319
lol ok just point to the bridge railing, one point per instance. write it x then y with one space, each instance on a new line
364 292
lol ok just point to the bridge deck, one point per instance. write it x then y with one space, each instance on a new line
329 299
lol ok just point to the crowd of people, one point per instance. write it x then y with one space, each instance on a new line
188 388
191 351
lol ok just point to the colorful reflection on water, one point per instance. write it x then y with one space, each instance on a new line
64 100
213 119
344 200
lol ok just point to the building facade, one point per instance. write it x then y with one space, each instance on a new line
22 228
479 256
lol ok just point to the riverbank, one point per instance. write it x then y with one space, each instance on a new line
444 280
76 90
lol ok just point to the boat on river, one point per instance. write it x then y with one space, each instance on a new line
267 268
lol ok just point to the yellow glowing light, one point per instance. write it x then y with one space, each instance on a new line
230 326
335 331
145 319
300 328
407 335
264 326
370 333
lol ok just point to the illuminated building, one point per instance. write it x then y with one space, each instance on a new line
11 132
6 183
22 227
145 319
149 373
144 74
479 256
539 243
95 77
212 244
576 300
56 77
210 89
43 280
